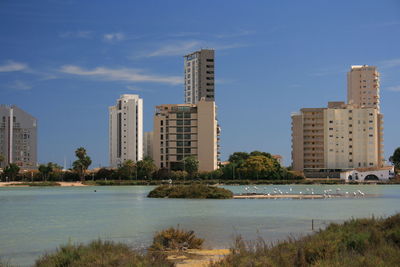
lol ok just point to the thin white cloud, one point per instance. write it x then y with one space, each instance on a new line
13 66
77 34
122 74
239 33
114 37
395 88
390 63
20 85
133 88
183 47
174 49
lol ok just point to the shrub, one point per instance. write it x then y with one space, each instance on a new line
361 242
175 239
99 253
190 191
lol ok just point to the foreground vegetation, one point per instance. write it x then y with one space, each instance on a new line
108 253
175 239
358 242
100 253
190 191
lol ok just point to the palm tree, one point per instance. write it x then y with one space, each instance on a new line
82 163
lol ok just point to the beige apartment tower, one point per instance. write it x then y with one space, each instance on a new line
363 87
199 76
182 130
341 136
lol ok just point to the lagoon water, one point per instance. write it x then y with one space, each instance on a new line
37 220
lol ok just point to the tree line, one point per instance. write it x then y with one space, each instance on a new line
240 165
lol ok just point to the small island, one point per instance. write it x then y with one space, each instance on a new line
198 191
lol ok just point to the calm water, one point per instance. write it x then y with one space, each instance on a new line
35 220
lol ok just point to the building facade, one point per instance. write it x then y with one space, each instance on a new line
363 87
199 76
341 136
18 137
126 130
182 130
148 144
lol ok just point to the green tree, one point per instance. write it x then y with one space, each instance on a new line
395 158
258 167
82 163
191 165
11 171
146 168
45 170
238 157
127 169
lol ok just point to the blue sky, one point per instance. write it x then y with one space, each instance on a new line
66 61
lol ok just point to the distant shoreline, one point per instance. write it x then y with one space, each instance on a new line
188 182
32 184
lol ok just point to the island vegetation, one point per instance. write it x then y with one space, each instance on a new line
190 191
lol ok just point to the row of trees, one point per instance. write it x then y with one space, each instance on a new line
241 165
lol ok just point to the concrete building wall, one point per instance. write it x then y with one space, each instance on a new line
338 137
18 137
199 78
126 130
182 130
297 142
363 86
148 144
351 138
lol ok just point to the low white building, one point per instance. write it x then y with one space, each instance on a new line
368 174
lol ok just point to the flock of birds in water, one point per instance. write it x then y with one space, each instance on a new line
327 193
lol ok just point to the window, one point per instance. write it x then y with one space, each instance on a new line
179 122
161 122
187 116
179 115
179 129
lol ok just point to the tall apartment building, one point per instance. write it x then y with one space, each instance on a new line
199 76
363 87
148 144
18 137
341 136
126 130
182 130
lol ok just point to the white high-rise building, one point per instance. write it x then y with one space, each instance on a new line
126 130
199 76
18 137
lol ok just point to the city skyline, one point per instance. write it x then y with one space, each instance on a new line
57 56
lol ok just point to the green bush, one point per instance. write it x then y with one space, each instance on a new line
190 191
360 242
99 253
175 239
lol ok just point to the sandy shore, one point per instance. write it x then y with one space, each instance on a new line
21 184
197 257
302 196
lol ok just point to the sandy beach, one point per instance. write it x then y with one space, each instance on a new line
21 184
197 257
